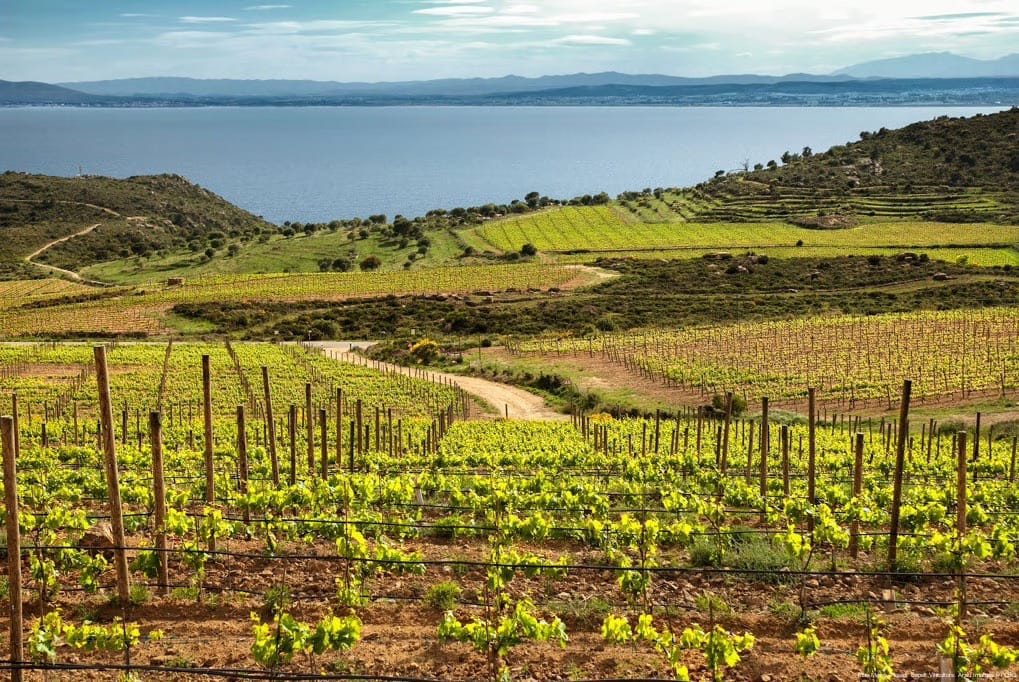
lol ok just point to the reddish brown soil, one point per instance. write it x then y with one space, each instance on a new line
399 635
602 373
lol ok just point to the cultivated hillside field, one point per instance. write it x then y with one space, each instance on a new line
770 431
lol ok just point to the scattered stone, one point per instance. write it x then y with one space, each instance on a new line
98 540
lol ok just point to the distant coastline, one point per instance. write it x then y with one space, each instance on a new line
887 92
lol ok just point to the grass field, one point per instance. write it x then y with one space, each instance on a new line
144 311
18 292
602 228
298 254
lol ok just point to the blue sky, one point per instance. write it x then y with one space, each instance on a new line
384 40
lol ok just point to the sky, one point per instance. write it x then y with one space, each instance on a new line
392 40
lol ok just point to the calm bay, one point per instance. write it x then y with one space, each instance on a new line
315 164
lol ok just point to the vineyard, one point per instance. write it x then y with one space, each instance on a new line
145 311
254 511
857 362
603 228
750 201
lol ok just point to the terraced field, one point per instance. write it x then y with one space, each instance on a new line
603 228
144 311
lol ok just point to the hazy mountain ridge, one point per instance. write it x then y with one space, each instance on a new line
450 87
934 65
940 78
881 92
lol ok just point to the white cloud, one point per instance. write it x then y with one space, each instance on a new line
206 20
135 15
455 11
521 9
591 40
642 32
191 39
264 8
313 26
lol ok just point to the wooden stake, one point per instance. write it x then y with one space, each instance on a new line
322 425
271 426
159 501
900 457
854 527
339 429
309 426
210 472
811 453
16 613
785 459
17 424
765 447
292 428
242 457
960 519
112 475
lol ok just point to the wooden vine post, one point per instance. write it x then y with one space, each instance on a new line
17 425
271 426
960 521
210 472
765 447
242 457
16 615
292 433
854 526
785 459
112 475
811 453
309 426
339 429
323 442
900 458
159 501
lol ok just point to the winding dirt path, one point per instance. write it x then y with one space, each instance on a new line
68 273
81 233
508 401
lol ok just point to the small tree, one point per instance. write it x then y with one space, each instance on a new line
528 249
371 263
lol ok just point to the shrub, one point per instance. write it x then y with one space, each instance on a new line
443 596
739 404
370 263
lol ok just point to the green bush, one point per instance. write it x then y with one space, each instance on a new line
443 596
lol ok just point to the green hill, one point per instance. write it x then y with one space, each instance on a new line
137 216
946 169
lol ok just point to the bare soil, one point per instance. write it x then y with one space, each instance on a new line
505 401
399 636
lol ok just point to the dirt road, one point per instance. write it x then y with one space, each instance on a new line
60 271
507 400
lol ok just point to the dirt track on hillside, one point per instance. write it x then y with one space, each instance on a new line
507 401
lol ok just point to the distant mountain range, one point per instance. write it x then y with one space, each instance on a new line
937 78
450 87
934 65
